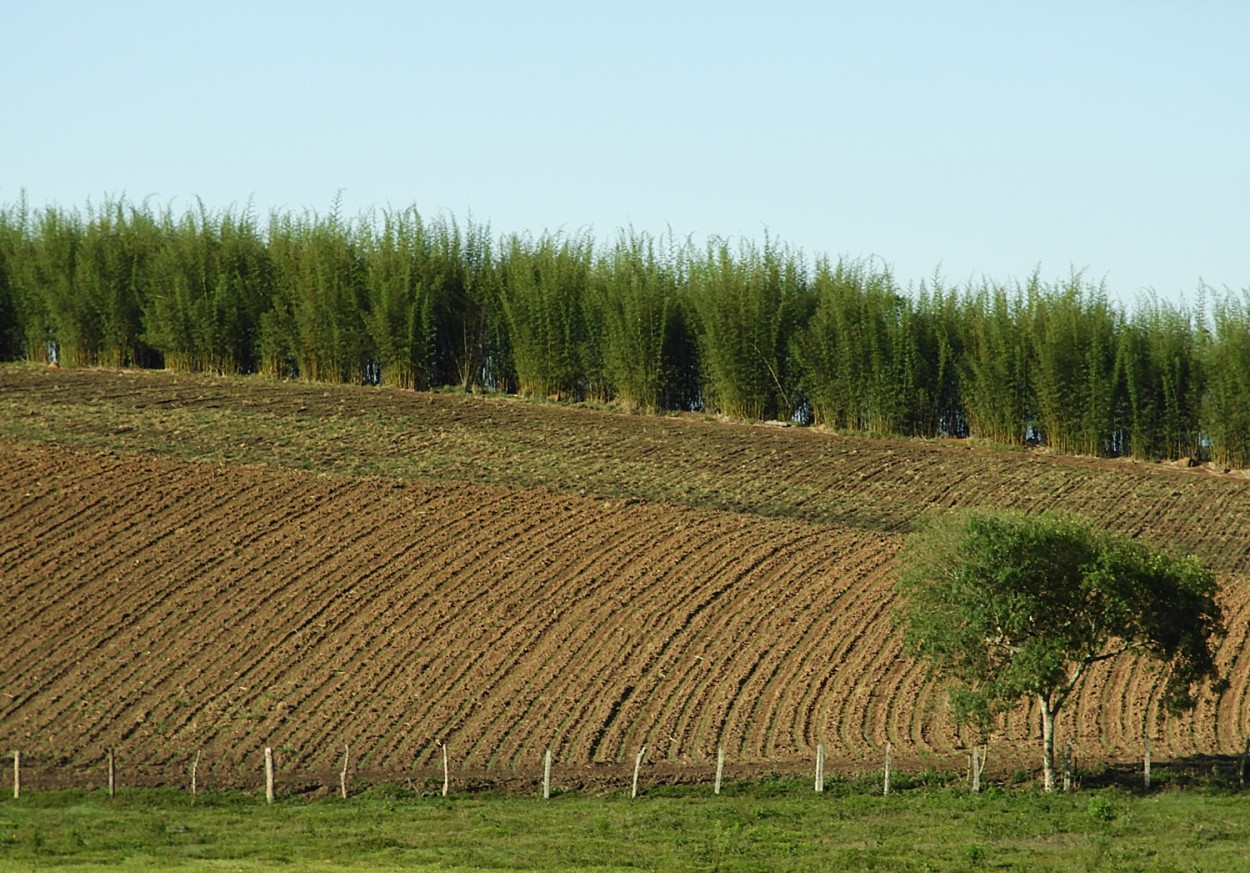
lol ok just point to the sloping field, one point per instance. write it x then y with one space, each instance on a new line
504 577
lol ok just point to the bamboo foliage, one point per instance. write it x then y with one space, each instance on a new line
938 407
242 292
318 276
633 295
471 339
746 310
1162 383
89 272
402 294
1072 362
210 283
542 301
10 334
24 331
829 348
993 365
747 331
76 329
871 359
177 310
1226 353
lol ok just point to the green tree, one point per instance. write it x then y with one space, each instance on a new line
1009 606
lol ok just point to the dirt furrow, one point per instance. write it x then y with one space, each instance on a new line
487 625
579 612
799 570
608 730
670 702
275 645
588 676
163 606
402 600
783 635
566 556
452 625
657 632
853 687
50 560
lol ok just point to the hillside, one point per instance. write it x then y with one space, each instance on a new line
213 565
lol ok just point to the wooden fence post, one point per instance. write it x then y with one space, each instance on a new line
1067 768
1241 770
638 767
547 775
886 782
268 774
112 768
720 767
820 768
446 772
976 769
195 766
343 773
1146 762
17 774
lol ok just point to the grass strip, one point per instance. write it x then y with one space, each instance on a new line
751 829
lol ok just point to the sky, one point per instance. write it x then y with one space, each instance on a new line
966 140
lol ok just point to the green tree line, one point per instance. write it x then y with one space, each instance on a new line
649 323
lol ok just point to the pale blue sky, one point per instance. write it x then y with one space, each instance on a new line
984 138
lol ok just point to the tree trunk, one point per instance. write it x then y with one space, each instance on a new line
1048 744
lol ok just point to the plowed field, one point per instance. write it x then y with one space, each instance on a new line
213 566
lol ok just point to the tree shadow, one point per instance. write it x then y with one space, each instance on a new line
1222 772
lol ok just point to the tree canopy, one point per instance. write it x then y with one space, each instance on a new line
1007 605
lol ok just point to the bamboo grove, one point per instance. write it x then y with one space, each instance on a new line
744 330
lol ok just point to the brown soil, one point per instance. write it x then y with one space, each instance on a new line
165 607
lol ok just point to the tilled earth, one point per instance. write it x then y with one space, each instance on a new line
194 569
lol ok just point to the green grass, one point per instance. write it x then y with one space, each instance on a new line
746 829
